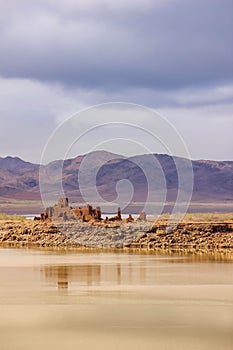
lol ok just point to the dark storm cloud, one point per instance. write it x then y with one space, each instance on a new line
59 56
104 44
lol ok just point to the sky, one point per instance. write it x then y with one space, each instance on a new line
58 57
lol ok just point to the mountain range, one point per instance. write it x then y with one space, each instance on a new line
213 180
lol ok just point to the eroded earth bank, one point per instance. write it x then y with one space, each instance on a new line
191 236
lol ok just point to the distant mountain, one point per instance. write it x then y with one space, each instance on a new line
18 179
213 180
17 165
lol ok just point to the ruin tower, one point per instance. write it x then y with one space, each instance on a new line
142 216
63 202
119 213
98 213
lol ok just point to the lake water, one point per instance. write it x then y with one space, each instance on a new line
82 300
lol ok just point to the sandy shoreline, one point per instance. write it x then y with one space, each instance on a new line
191 237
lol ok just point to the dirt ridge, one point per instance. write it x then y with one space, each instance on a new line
186 236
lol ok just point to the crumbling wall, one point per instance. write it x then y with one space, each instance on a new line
88 213
62 211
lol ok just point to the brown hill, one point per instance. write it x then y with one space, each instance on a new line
213 180
18 179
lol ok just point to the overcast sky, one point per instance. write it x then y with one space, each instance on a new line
59 56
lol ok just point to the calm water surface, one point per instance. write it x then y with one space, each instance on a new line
80 300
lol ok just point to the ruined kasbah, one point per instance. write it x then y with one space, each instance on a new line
63 212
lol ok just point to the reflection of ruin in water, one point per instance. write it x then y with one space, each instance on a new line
65 274
88 275
62 277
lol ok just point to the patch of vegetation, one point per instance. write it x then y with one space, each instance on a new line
14 217
209 217
202 217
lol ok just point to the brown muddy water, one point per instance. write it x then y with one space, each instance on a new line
82 300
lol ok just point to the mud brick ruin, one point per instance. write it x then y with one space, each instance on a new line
142 216
63 212
88 213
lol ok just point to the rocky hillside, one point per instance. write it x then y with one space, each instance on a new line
213 180
18 179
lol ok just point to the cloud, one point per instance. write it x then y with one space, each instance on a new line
109 44
27 114
30 111
59 56
206 130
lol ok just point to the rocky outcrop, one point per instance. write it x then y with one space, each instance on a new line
189 236
69 234
205 237
104 234
33 234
